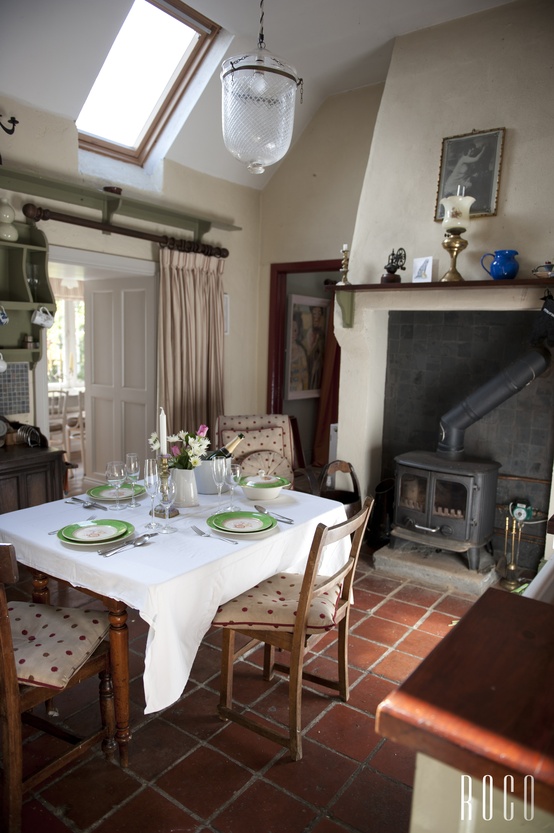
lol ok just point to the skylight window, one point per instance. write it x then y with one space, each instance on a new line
154 56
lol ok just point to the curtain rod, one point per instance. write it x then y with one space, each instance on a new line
35 213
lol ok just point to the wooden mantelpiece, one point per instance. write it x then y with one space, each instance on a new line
481 702
523 293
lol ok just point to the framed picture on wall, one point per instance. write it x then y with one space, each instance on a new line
472 160
306 333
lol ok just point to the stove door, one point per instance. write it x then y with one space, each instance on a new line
450 506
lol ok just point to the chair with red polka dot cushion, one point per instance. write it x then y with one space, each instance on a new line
46 650
291 612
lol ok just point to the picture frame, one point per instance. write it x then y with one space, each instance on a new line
422 269
472 160
306 335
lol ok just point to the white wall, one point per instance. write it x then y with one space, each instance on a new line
480 72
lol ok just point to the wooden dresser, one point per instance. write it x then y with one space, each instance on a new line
30 476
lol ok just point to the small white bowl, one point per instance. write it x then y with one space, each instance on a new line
263 486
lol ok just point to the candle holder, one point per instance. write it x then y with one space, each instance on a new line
163 476
344 266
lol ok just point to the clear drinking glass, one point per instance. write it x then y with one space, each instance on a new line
167 496
219 469
151 486
232 477
132 472
115 475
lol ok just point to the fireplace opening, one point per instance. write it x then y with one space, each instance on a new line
452 494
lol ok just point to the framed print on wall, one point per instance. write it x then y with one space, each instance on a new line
472 160
306 333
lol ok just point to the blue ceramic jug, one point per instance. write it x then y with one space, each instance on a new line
504 265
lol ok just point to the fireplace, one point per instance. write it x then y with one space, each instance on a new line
444 499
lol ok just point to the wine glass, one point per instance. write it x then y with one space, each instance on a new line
132 472
115 475
232 477
151 486
166 489
219 469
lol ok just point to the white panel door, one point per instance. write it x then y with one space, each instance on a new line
120 347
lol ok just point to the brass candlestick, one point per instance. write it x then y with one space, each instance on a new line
344 265
454 244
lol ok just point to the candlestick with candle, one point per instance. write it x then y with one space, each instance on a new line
162 433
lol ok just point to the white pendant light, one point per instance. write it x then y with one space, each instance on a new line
259 95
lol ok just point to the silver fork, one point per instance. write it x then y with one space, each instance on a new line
90 518
207 535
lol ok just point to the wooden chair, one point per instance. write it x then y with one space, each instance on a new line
352 499
57 410
272 443
302 609
35 666
74 430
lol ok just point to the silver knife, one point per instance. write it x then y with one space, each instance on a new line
143 538
275 515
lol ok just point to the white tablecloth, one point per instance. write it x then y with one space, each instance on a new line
176 582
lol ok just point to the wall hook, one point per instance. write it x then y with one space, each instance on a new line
13 121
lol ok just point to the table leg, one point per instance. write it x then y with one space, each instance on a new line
41 591
119 658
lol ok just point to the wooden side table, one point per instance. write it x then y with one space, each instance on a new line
482 701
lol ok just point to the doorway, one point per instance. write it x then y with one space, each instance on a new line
291 283
120 325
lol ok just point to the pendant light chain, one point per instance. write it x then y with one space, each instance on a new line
261 41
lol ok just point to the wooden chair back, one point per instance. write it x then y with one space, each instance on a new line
351 498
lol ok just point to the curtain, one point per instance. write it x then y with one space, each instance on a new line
190 340
328 411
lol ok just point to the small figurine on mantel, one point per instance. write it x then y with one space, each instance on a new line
397 260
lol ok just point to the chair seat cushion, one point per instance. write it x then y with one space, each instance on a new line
51 643
272 604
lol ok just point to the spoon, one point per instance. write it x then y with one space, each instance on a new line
265 511
87 504
137 542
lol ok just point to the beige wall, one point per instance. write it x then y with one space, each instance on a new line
306 212
480 72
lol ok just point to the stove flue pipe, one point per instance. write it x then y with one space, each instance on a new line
482 401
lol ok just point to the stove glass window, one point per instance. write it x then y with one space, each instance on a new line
450 499
413 492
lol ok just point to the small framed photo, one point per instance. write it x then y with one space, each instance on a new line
306 335
472 160
422 270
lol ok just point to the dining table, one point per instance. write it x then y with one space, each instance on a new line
175 581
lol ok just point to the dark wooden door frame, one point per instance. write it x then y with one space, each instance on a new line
278 324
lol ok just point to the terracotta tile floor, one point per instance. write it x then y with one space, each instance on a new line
190 772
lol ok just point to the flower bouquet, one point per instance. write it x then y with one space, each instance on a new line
185 450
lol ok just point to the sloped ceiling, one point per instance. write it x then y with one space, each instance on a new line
52 50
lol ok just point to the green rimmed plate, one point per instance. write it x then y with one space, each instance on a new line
242 523
109 492
92 533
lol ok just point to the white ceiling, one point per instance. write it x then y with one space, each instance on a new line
51 51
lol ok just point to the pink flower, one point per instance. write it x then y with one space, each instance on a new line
175 450
202 431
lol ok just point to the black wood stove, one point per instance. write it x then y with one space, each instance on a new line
444 500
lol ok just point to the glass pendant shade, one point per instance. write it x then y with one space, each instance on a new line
259 96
